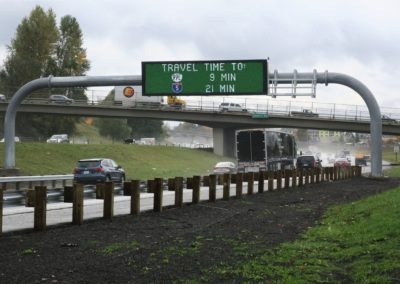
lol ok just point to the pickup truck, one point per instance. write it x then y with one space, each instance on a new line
304 112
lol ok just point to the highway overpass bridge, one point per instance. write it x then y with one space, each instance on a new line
224 124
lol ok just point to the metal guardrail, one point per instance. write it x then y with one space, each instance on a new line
17 195
15 179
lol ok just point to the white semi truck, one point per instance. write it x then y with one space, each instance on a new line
261 149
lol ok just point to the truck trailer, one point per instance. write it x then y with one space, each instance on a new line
262 149
131 96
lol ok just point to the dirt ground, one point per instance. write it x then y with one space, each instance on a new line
176 244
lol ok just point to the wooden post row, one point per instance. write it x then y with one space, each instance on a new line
40 208
239 185
196 189
226 186
178 191
158 195
212 188
261 182
288 174
77 204
250 183
271 176
108 208
279 180
135 197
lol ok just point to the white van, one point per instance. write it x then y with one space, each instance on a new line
231 107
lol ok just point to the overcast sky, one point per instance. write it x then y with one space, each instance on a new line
356 37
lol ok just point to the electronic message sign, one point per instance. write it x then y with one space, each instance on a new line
200 78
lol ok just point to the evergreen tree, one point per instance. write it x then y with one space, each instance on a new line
145 127
70 59
116 128
40 49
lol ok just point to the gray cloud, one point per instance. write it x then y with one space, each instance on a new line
354 37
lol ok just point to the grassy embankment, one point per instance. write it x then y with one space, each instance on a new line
139 161
353 243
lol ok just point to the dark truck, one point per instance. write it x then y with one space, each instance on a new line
304 113
260 149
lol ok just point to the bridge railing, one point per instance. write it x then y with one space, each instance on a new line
270 106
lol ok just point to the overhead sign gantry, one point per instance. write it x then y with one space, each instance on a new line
282 78
191 78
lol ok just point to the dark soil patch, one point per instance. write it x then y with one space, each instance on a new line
175 244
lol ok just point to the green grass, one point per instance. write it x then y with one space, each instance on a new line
389 155
139 161
125 247
354 243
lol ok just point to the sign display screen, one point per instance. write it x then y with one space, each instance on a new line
200 78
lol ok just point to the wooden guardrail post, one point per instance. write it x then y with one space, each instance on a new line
330 170
171 184
261 182
40 208
335 173
100 191
179 191
213 188
196 189
233 179
239 185
2 189
301 177
271 176
288 174
135 196
226 186
312 175
306 176
108 208
294 178
158 195
150 186
250 182
206 180
189 183
358 171
126 188
317 175
68 193
77 204
279 180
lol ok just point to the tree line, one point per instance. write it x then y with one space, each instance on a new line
42 48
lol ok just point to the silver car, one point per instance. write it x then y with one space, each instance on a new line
60 99
225 167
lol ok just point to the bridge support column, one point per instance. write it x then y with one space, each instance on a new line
224 141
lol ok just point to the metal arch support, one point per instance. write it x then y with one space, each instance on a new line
284 78
372 105
49 82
